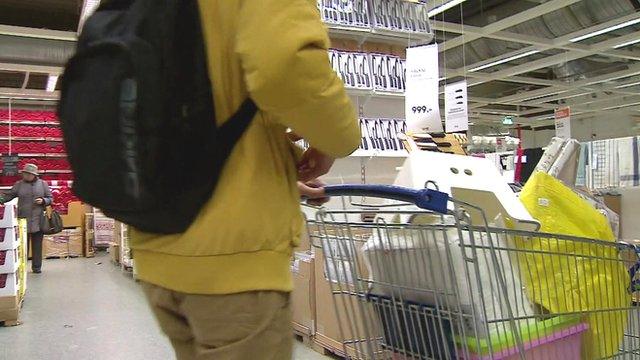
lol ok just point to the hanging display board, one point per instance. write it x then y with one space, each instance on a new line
563 122
455 107
422 110
10 165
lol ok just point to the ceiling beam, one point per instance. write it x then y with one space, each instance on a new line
21 31
549 6
38 69
28 94
539 43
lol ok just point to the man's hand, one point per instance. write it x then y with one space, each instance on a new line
314 164
39 201
313 191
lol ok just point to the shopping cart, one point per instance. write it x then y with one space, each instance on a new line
433 278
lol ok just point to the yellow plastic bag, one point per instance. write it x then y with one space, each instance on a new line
590 280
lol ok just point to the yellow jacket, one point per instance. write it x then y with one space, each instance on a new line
275 52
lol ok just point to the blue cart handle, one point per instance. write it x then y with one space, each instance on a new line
423 198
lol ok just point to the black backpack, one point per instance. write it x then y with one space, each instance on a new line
138 117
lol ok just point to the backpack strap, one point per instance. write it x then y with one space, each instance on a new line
232 130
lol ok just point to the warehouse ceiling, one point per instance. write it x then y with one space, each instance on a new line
521 58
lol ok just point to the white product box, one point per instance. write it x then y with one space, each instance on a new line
9 261
380 71
9 284
9 214
9 238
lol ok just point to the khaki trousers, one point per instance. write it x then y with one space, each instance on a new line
250 325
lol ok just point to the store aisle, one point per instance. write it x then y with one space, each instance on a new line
88 309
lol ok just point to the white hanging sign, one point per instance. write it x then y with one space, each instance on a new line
455 107
422 109
563 122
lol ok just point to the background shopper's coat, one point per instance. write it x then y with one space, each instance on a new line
276 52
27 193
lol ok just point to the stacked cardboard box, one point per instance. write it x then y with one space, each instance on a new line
314 313
103 230
121 238
13 259
67 243
303 296
88 249
75 216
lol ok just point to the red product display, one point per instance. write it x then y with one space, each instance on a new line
19 131
62 197
28 115
48 154
33 147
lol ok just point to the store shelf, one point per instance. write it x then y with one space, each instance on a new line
362 35
18 122
379 153
57 171
27 155
375 94
15 138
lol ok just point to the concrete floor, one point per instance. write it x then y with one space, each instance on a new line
88 309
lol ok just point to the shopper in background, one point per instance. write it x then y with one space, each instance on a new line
33 196
221 290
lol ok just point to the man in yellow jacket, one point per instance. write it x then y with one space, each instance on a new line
221 289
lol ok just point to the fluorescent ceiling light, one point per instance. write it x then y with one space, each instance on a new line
51 83
502 61
444 7
621 106
88 8
627 85
627 44
605 30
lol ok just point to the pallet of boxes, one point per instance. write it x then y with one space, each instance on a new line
103 234
13 264
70 242
314 315
114 235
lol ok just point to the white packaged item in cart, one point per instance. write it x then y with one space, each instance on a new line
9 238
9 261
565 168
473 180
550 154
429 267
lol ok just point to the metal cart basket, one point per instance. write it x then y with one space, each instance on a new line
427 282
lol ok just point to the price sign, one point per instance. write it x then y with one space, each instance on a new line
10 165
422 109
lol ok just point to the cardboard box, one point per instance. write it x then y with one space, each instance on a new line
9 308
69 242
114 250
350 308
9 238
75 214
9 261
303 295
88 250
103 228
88 221
10 284
9 214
